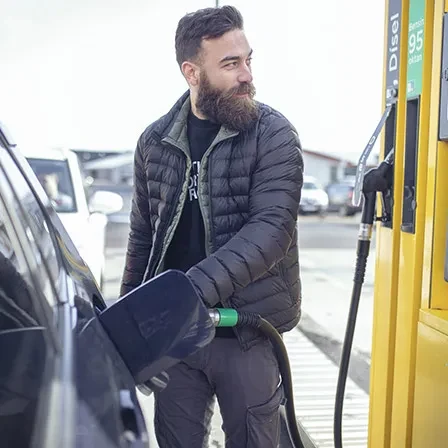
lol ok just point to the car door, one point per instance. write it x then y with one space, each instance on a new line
36 346
88 396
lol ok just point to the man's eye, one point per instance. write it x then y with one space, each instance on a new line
231 64
249 61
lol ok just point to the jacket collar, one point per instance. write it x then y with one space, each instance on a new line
173 127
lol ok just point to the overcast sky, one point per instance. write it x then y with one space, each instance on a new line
95 73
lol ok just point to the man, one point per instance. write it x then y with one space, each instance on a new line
60 201
217 191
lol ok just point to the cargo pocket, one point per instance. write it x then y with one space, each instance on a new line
263 422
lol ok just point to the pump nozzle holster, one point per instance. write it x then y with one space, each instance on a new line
379 180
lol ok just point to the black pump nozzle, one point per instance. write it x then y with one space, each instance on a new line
380 180
377 179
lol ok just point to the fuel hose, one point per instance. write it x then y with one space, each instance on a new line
228 317
367 185
362 253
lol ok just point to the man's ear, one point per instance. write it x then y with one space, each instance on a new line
191 72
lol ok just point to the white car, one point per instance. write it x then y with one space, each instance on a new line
314 199
84 218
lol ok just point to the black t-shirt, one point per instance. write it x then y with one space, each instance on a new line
187 247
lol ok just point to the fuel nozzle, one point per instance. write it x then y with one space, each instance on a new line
379 180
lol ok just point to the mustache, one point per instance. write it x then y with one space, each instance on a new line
242 89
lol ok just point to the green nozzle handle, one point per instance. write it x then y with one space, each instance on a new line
224 317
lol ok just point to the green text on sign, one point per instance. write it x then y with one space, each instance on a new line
415 47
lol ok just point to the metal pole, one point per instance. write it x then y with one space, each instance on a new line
217 3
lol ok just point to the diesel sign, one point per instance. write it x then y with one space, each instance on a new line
393 49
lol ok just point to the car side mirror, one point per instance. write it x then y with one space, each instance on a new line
105 202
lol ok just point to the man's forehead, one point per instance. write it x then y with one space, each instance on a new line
231 44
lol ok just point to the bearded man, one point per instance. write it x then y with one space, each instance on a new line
217 185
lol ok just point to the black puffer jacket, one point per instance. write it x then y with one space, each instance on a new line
249 193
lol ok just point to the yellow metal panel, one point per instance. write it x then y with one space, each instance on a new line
436 319
432 156
388 242
383 345
431 390
434 288
439 287
410 269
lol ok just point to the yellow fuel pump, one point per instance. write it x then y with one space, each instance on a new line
409 367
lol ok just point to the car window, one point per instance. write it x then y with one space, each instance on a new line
340 189
37 231
345 189
309 186
25 339
55 178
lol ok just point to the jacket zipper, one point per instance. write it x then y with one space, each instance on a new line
174 225
207 223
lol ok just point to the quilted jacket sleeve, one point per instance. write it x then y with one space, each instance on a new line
140 235
274 204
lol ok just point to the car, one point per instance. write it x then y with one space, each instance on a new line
340 196
62 381
314 199
84 215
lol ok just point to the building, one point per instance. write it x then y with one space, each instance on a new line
324 167
113 167
329 168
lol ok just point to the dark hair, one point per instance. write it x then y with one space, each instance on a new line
208 23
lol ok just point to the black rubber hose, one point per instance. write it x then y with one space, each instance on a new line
256 321
361 262
368 215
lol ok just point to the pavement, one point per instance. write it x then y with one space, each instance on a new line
327 249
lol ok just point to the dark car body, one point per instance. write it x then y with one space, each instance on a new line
340 198
62 382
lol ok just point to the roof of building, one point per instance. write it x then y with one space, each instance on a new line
323 155
108 163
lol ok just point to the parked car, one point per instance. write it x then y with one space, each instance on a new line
314 199
340 198
83 215
62 382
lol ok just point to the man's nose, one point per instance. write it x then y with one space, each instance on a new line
245 75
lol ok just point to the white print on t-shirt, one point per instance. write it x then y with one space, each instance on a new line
193 185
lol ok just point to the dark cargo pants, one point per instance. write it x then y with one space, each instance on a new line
246 385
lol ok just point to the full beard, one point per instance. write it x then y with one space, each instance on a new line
225 108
